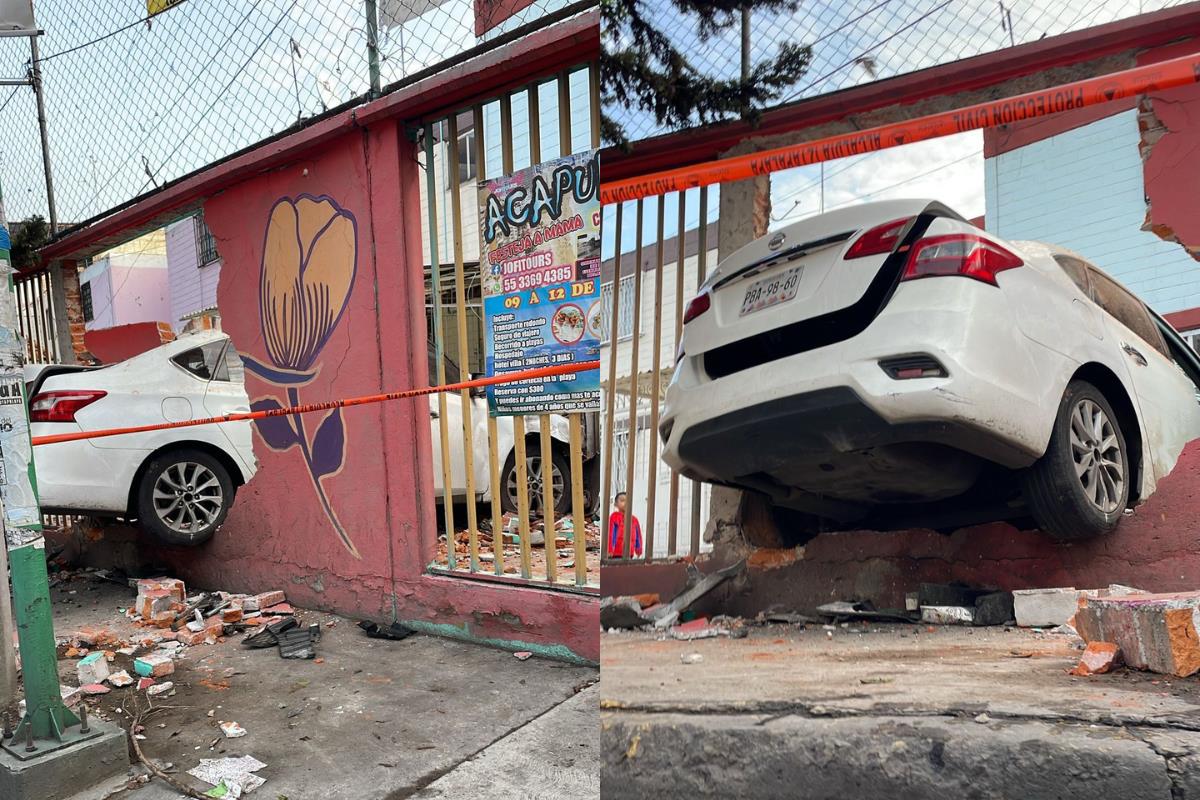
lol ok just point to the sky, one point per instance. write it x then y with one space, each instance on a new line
898 36
133 104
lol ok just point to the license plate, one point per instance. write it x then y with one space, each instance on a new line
771 291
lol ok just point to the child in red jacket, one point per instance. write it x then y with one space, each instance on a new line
616 530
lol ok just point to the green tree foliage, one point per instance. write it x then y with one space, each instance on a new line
27 236
642 68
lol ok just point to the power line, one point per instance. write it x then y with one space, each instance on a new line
860 197
875 46
8 99
105 37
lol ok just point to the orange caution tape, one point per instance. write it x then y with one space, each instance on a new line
508 377
1080 94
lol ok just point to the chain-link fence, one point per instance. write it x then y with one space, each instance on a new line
858 41
133 102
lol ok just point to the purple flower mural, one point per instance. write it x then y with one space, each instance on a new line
310 251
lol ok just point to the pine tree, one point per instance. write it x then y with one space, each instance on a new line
642 68
27 236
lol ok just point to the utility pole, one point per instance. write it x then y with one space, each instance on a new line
36 79
47 720
762 183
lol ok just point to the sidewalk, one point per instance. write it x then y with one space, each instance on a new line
372 719
903 712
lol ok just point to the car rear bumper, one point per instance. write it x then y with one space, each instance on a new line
838 399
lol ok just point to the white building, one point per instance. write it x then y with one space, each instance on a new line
665 306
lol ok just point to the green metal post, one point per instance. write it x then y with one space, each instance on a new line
373 46
45 712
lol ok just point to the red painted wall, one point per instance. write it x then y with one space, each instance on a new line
322 292
1172 171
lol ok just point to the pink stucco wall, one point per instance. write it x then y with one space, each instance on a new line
352 210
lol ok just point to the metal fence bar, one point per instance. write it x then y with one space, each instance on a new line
492 430
546 460
631 451
610 396
576 420
701 264
460 307
439 359
655 387
673 518
521 465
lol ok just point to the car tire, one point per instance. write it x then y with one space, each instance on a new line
533 457
1080 487
204 494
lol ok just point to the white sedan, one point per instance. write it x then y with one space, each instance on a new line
890 365
179 483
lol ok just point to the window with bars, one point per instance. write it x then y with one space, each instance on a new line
85 301
624 314
206 244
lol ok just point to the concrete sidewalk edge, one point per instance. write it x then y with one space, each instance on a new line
680 755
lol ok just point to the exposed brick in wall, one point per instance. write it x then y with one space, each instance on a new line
74 310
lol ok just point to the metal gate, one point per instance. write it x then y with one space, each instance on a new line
648 279
532 478
38 317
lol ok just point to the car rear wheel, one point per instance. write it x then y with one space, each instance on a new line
1080 487
184 497
559 475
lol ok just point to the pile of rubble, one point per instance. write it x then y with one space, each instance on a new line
1114 626
564 544
170 621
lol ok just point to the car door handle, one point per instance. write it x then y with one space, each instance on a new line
434 415
1133 353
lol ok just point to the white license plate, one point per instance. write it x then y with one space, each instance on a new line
771 291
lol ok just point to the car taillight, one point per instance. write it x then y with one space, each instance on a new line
880 239
700 303
61 406
958 254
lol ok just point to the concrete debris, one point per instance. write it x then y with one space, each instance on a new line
995 608
947 615
120 679
664 615
1098 658
93 689
71 695
395 631
703 628
1156 632
92 668
621 612
690 658
232 730
842 609
1048 608
523 655
166 687
154 665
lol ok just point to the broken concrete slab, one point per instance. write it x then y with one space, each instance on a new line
1045 608
1157 632
947 615
92 668
665 614
995 608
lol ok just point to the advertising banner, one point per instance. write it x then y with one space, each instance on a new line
540 268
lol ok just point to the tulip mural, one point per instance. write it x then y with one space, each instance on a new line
309 260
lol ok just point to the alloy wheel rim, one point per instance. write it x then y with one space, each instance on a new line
1096 451
188 497
535 482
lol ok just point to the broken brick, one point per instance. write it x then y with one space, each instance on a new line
232 614
91 689
173 586
279 608
92 668
263 600
1156 632
1098 658
153 665
144 683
